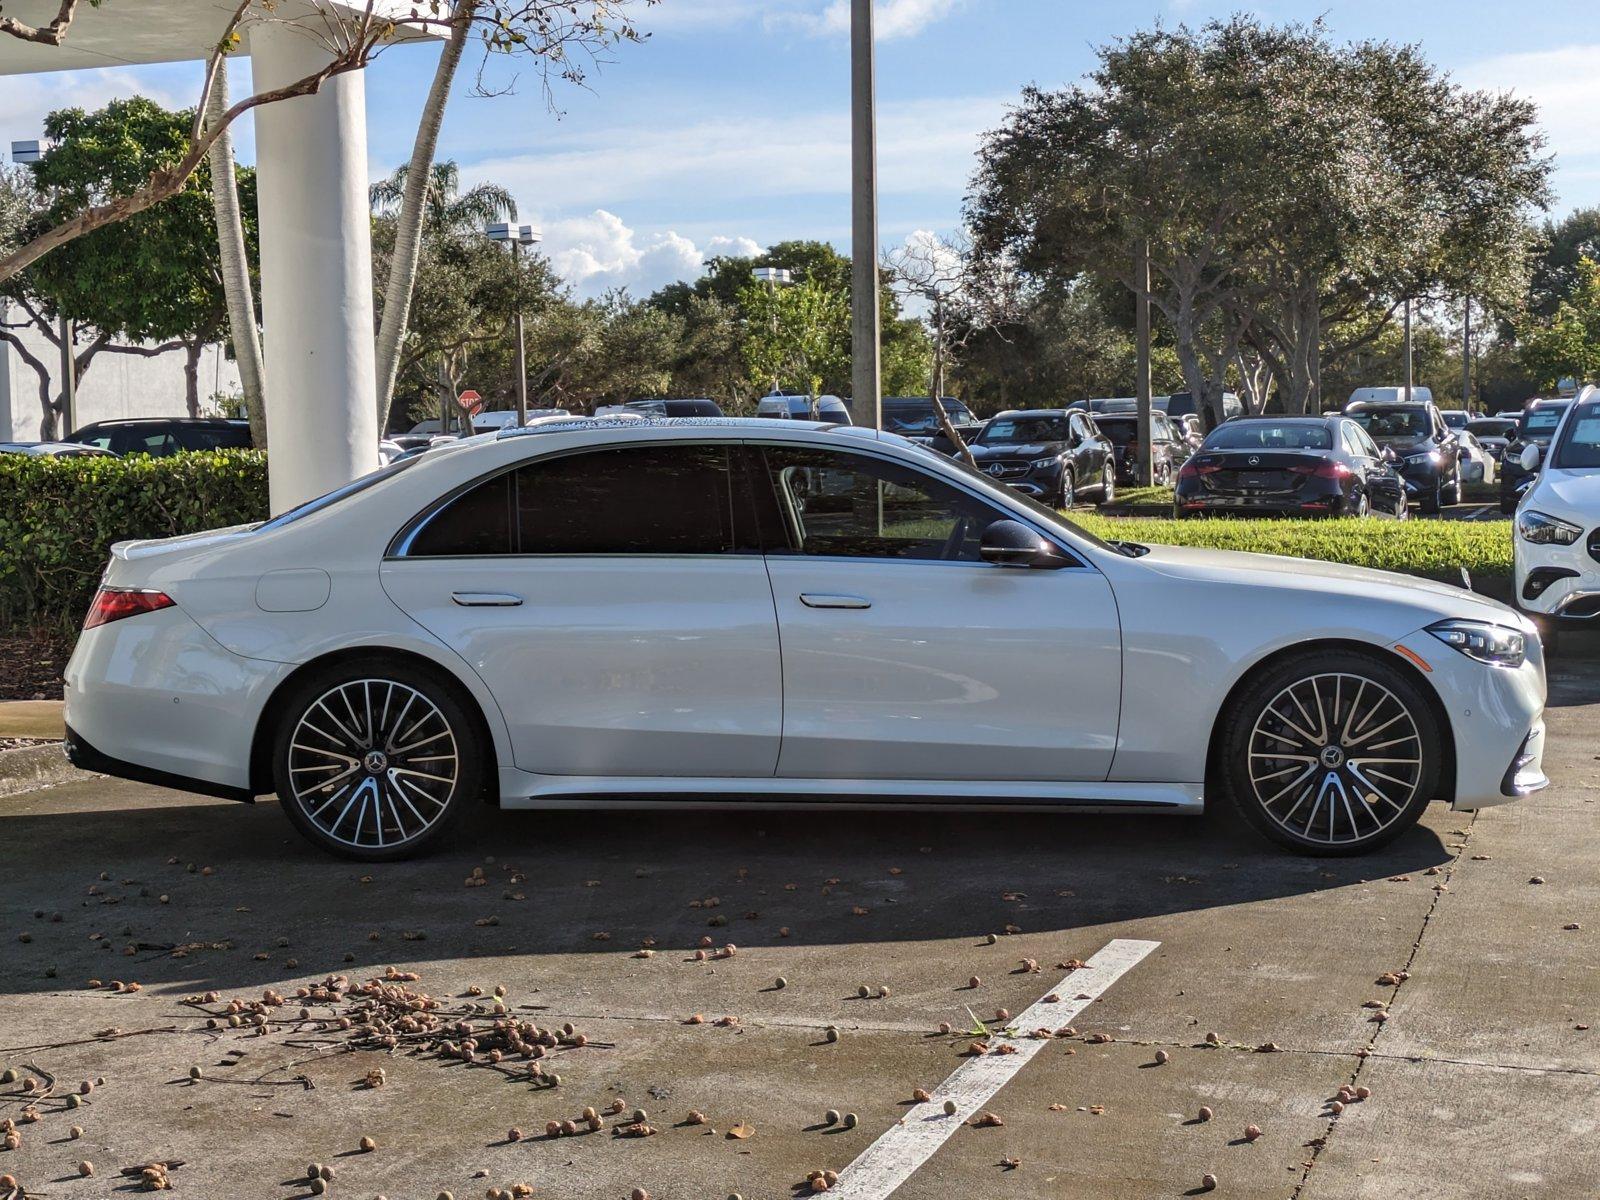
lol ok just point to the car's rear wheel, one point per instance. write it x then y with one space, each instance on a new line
376 760
1331 752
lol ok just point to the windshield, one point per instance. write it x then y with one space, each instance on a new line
1269 435
910 418
1491 428
1539 424
1014 431
1386 423
1580 444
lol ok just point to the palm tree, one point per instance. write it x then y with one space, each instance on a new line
445 208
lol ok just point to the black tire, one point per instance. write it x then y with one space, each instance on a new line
1455 485
1508 502
1363 684
1431 501
1108 486
1359 505
1067 494
424 806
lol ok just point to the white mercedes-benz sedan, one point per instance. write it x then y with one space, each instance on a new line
702 612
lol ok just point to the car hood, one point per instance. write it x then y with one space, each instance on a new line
1576 491
1431 599
1018 450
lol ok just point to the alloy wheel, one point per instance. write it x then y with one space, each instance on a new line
373 764
1335 759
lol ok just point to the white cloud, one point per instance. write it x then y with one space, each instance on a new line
893 18
924 146
25 100
599 251
1563 83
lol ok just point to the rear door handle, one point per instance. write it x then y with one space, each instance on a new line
486 599
820 600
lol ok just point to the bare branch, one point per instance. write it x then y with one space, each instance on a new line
52 33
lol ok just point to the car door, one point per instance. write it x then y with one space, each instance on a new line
904 654
1089 451
607 599
1385 489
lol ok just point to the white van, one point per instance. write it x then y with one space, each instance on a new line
1391 395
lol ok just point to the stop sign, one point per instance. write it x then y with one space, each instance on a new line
470 402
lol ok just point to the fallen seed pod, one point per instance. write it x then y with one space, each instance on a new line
196 1073
780 983
949 1108
921 1096
368 1145
1163 1058
851 1120
987 1120
1336 1107
695 1117
75 1132
863 991
1002 1014
1205 1114
1213 1040
974 982
1252 1132
513 1134
1363 1092
831 1033
640 1194
883 991
1208 1182
831 1117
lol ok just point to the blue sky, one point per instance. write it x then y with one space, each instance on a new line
729 128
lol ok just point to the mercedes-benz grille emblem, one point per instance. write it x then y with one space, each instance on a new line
1254 461
996 469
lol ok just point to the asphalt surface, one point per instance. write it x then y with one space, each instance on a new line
1484 1080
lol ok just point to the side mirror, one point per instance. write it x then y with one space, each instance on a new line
1388 455
1013 544
1528 460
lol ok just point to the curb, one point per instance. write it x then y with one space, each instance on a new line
29 767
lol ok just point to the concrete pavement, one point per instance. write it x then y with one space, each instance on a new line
1485 1079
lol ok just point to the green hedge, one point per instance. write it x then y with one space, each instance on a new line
59 516
1437 549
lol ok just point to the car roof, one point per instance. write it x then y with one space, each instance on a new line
728 426
163 421
1363 405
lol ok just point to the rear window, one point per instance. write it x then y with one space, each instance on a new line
1490 428
1269 435
1120 433
214 437
329 499
1540 423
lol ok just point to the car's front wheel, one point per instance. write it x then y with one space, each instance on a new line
1331 752
1108 485
375 760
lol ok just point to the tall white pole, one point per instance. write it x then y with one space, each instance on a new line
866 382
316 271
1410 375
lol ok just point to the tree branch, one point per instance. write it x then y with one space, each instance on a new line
52 33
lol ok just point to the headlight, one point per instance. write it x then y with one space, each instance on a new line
1044 464
1492 644
1541 529
1432 456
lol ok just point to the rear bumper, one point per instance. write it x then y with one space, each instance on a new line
1294 504
86 758
154 697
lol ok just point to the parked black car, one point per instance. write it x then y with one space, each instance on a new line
1122 430
1293 466
1053 455
1430 457
161 436
1536 426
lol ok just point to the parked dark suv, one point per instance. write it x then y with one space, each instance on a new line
1535 427
1053 455
161 436
1167 454
1428 453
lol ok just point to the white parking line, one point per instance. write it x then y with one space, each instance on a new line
894 1157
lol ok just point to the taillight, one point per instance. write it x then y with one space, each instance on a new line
1323 470
112 604
1194 468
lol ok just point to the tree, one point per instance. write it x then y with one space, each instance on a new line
558 35
797 336
1567 346
237 287
1286 187
154 278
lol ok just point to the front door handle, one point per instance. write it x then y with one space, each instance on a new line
485 599
821 600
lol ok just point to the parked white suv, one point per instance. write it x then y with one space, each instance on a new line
1557 543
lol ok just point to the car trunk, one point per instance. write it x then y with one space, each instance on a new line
1255 472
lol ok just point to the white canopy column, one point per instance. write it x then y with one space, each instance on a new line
316 271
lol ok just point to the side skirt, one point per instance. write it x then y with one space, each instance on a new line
523 789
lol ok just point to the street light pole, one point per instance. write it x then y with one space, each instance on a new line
1409 374
519 236
1466 355
866 382
1144 466
774 277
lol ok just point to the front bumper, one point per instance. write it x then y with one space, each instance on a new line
1558 581
1496 717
